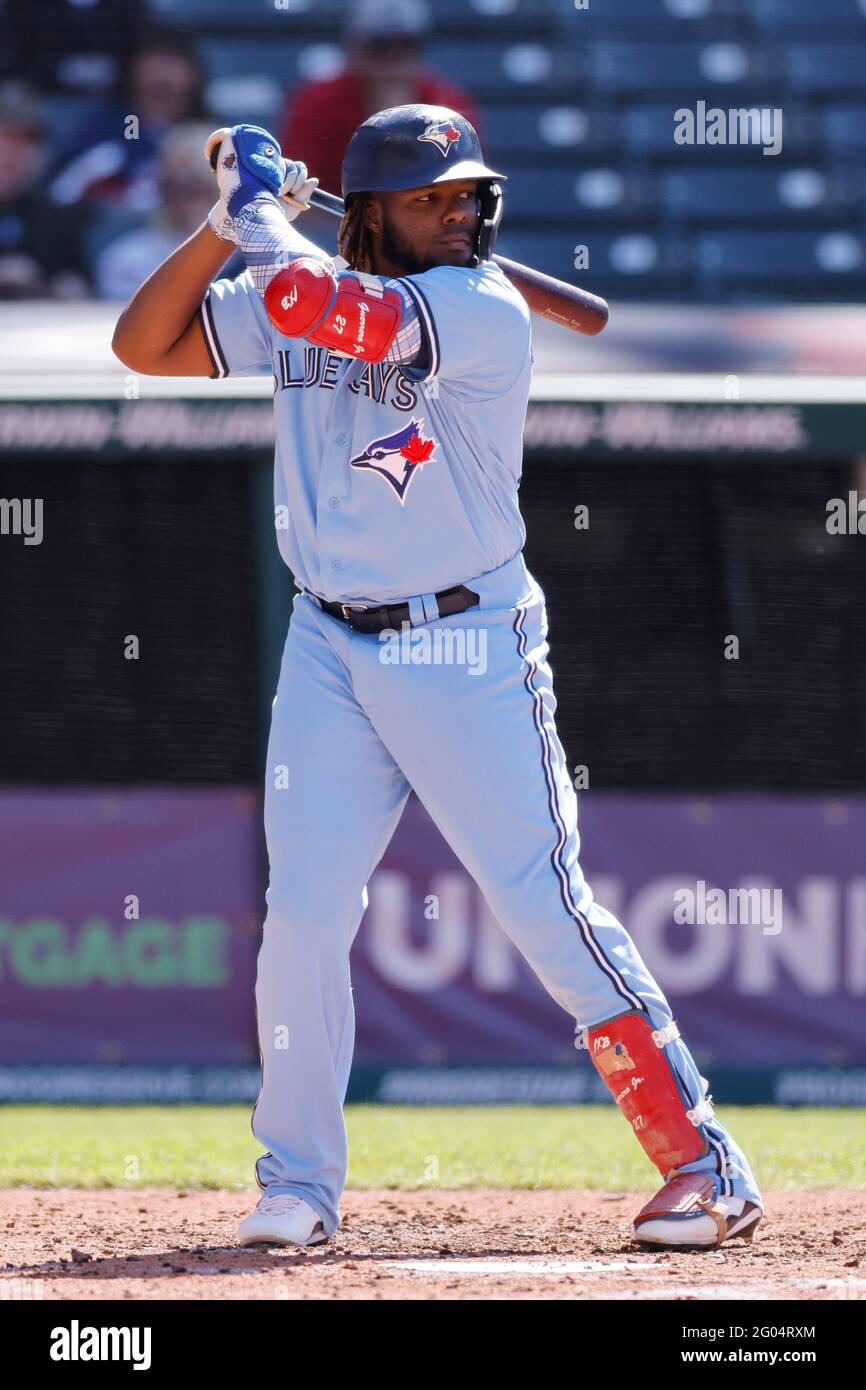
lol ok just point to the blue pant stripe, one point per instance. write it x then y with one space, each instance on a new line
715 1141
633 1000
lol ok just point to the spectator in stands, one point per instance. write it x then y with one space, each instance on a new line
383 67
163 84
41 254
186 187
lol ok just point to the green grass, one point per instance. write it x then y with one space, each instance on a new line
403 1147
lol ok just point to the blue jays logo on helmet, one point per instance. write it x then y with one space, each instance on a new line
442 134
397 457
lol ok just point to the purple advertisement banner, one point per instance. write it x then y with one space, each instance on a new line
129 926
767 966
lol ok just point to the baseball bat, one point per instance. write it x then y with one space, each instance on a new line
553 299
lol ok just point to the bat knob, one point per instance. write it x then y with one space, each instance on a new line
214 145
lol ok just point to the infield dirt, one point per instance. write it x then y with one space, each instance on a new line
142 1244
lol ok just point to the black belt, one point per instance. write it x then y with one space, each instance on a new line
363 619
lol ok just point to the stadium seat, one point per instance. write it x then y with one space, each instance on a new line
782 255
283 61
252 98
825 67
493 66
760 194
664 18
647 132
494 15
844 129
679 68
805 16
624 258
254 15
597 194
548 132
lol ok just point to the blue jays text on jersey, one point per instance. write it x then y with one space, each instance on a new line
396 480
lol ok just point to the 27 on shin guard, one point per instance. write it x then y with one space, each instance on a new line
629 1056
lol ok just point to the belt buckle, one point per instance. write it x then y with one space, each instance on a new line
353 608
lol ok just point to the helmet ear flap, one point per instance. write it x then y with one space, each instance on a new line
490 209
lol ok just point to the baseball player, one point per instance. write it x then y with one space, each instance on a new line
401 376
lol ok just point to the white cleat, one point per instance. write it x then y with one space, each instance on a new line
282 1220
687 1213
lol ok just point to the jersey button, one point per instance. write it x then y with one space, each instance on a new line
341 439
333 502
336 564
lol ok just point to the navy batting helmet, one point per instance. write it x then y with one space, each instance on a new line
412 146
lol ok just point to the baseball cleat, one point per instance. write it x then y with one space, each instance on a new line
688 1212
282 1220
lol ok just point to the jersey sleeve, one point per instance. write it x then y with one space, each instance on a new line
476 326
237 330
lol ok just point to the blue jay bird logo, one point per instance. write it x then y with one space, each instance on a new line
397 457
443 134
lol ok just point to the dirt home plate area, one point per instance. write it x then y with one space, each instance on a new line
73 1244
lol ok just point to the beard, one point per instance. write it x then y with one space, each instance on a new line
401 252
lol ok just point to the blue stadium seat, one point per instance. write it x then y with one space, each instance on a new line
826 67
495 16
328 16
786 17
664 18
639 258
498 67
250 97
549 132
576 197
679 68
782 255
767 193
251 16
844 129
647 132
286 61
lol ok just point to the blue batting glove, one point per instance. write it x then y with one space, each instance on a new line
249 162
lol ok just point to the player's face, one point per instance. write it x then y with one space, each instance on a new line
422 227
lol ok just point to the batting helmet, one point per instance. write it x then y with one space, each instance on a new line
412 146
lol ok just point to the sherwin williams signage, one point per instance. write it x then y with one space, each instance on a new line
129 926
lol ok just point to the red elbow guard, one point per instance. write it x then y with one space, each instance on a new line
353 313
363 319
297 297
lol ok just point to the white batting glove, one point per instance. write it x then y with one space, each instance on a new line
221 224
297 189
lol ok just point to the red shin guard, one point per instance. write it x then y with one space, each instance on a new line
629 1057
